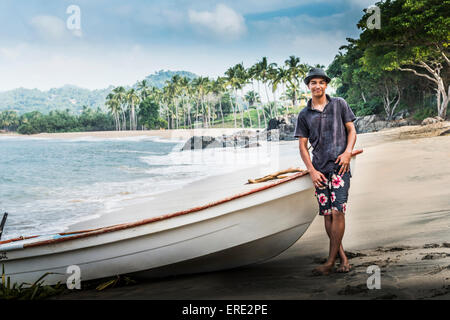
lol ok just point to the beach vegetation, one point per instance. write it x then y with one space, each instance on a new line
27 291
64 121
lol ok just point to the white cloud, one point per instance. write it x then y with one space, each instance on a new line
223 22
95 67
49 27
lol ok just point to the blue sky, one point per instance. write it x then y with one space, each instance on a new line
120 42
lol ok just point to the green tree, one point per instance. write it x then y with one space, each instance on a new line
414 37
9 120
149 113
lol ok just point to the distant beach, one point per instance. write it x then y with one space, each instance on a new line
181 134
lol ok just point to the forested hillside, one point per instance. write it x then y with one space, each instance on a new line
23 100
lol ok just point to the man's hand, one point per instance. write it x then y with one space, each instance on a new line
344 162
318 178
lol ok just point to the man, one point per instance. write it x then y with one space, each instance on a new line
328 125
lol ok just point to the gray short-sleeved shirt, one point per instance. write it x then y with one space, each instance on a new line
326 131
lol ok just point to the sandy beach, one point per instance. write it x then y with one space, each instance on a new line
180 134
398 219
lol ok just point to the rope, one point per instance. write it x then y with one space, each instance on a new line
276 175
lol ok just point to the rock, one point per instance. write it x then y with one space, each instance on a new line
435 255
369 123
285 126
431 120
242 139
400 123
401 115
273 124
374 123
198 142
431 245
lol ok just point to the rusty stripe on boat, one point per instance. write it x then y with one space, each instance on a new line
17 239
122 226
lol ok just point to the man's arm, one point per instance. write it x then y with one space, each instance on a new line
345 157
317 177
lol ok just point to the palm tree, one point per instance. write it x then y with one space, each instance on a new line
142 88
114 106
293 72
280 78
9 119
211 111
230 82
132 99
200 84
120 96
184 84
252 97
236 79
218 88
241 80
265 71
165 102
296 73
255 74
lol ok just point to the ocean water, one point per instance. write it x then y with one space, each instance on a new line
48 184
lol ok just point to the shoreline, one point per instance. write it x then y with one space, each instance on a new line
403 132
173 134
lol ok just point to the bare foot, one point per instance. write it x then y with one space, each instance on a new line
344 267
323 270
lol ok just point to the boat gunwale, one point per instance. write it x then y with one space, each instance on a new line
92 232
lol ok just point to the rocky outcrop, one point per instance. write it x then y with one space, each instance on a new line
430 120
282 128
374 123
240 139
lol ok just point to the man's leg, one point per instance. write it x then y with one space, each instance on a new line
344 261
339 194
336 233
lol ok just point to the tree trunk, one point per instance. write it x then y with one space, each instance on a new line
438 81
221 111
363 97
234 111
442 105
388 108
133 117
259 92
240 110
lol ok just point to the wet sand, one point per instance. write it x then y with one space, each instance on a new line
398 219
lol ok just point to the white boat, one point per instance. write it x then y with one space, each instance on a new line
238 230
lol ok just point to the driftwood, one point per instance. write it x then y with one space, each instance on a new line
276 175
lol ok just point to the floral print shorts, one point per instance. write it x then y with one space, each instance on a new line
334 194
